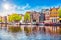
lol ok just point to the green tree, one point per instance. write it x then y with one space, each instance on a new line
0 20
59 11
14 17
27 17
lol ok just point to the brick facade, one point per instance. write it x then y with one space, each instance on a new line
35 16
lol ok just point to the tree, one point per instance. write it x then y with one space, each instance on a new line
0 20
14 17
27 17
59 11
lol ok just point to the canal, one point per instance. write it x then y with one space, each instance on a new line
30 32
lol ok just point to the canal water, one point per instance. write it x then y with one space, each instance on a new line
36 33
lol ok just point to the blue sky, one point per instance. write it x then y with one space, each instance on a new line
21 6
34 3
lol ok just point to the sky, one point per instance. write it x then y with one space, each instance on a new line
8 7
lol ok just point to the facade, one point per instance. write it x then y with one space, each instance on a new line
47 16
0 19
22 20
54 16
4 19
7 18
35 17
42 17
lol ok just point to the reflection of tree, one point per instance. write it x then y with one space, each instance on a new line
14 29
35 29
26 20
27 30
59 29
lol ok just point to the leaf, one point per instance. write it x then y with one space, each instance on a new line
14 17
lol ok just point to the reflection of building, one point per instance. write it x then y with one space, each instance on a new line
35 16
54 15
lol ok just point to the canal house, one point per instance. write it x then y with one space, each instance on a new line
22 20
47 16
42 17
35 17
54 16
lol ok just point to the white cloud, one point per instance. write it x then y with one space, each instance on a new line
38 8
19 9
5 0
8 8
26 6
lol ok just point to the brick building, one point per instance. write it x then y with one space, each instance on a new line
35 17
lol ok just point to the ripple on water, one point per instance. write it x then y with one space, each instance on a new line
4 35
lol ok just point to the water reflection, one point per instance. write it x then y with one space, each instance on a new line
31 32
4 35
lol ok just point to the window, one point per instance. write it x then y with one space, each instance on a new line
60 21
34 20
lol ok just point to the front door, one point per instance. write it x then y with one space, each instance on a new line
34 21
60 21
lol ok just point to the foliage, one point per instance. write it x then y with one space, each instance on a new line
59 18
59 11
14 17
0 20
27 17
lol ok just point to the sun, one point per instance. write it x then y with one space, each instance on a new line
6 6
